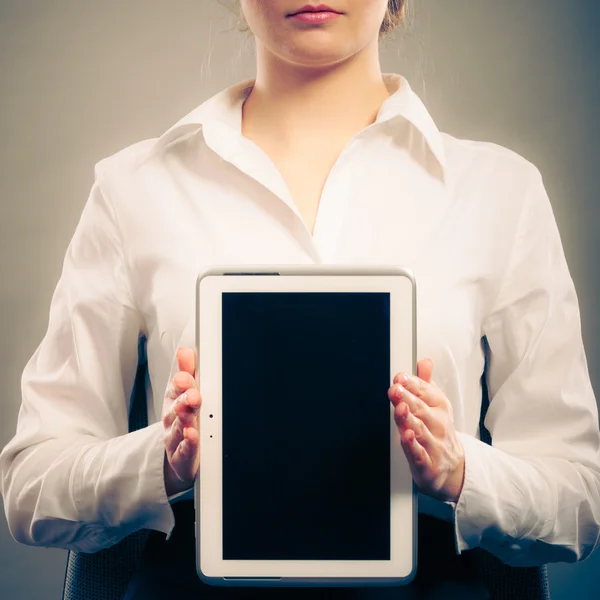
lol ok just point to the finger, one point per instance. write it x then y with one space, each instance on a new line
429 394
415 405
394 394
416 455
168 419
186 453
406 420
170 415
186 406
400 378
186 410
192 436
191 399
180 383
398 388
186 360
173 436
425 369
420 410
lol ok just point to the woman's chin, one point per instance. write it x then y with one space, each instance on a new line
315 57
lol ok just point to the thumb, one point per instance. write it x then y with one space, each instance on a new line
186 360
425 369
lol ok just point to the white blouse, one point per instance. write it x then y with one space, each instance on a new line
471 220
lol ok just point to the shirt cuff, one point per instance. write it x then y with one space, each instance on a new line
478 507
434 507
185 495
120 487
163 518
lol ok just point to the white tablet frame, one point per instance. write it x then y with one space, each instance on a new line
211 283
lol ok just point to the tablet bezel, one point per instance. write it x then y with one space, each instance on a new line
401 568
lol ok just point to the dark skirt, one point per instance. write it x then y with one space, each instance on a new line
168 570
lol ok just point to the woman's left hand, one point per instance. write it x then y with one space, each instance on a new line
425 422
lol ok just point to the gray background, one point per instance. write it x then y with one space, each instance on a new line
79 80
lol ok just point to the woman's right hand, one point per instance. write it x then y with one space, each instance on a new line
180 419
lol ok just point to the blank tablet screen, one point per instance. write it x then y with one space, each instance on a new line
306 426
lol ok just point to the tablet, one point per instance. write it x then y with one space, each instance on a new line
303 480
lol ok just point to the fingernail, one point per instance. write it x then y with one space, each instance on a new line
399 389
404 378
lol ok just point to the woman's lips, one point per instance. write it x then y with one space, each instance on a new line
322 16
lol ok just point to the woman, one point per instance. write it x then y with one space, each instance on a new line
320 159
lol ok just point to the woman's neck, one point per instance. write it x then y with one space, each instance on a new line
295 103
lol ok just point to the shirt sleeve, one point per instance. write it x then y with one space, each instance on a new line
72 476
533 497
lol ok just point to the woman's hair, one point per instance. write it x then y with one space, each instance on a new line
394 15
